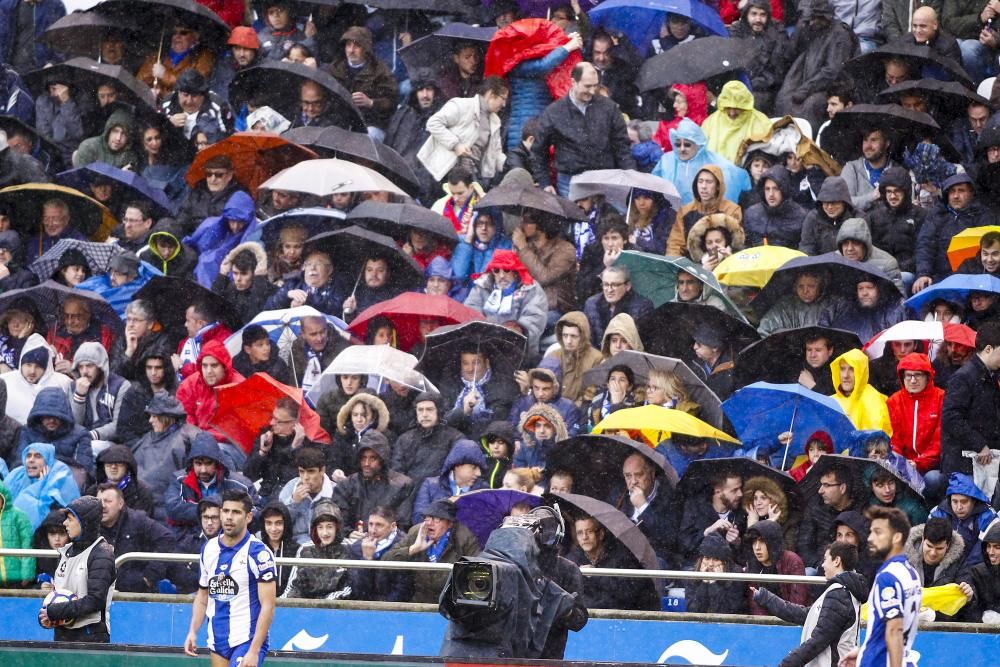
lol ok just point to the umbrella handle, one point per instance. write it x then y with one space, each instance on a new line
159 53
788 444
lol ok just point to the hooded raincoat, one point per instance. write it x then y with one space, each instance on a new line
572 365
726 135
34 496
21 393
865 406
689 214
213 239
682 173
72 442
782 561
197 397
916 418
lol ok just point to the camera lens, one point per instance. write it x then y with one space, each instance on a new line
477 584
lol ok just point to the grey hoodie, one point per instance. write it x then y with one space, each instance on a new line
857 229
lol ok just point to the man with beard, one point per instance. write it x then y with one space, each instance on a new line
895 597
420 452
863 174
407 130
720 512
243 49
767 67
817 528
776 219
373 485
949 360
984 578
617 70
376 285
868 313
273 457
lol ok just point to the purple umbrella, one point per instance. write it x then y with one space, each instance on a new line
483 511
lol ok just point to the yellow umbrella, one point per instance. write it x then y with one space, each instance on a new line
965 244
657 423
753 267
87 214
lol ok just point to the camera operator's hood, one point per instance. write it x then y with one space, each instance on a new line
514 545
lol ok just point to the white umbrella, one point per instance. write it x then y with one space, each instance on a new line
380 363
323 178
283 327
617 184
906 330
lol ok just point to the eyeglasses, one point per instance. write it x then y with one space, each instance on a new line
612 285
311 103
216 174
135 320
910 377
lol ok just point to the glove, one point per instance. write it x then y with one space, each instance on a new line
166 587
799 97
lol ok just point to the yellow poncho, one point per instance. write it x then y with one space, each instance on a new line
725 135
865 407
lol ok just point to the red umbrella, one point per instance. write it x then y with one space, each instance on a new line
244 408
959 333
256 157
408 309
528 39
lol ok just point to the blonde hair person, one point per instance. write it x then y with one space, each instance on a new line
524 479
666 389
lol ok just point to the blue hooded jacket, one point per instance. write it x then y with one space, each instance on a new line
436 488
978 521
35 496
120 297
186 490
472 258
72 442
213 240
682 174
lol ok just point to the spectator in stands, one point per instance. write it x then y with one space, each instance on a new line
129 530
185 575
368 80
272 459
117 464
595 548
936 552
310 487
34 373
77 325
984 578
968 510
718 510
197 392
41 482
375 484
420 451
767 555
616 296
276 533
715 596
874 309
97 392
968 419
381 536
51 421
326 583
815 530
461 473
506 293
17 531
651 503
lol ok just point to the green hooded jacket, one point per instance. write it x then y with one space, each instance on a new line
15 533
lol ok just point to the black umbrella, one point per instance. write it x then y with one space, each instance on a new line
948 99
869 69
315 220
157 17
81 33
171 297
779 358
520 197
694 61
49 297
454 7
357 147
504 348
596 461
842 137
642 363
42 147
87 74
396 220
669 330
701 472
858 471
840 279
276 84
428 58
351 247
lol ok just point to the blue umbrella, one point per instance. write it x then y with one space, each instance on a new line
640 20
761 411
120 297
131 184
954 288
483 511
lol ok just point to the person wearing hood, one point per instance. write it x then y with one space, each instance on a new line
958 210
817 444
51 421
874 308
854 241
260 355
620 334
713 596
276 534
461 473
777 218
475 250
162 450
506 293
166 253
821 227
16 532
985 171
13 275
375 484
97 392
50 534
498 443
420 451
862 403
894 220
129 530
271 462
540 426
280 32
371 84
33 374
802 308
217 235
709 186
242 280
689 155
363 412
971 403
113 147
735 121
10 434
690 100
935 552
915 412
40 482
767 555
984 578
830 626
407 130
243 53
86 569
543 388
968 510
204 474
327 583
155 374
117 465
575 356
713 238
769 48
197 392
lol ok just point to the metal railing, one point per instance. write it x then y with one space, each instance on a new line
446 567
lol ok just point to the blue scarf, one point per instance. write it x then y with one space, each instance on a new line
480 411
435 550
177 58
126 480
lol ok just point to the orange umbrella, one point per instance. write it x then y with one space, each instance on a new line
256 157
244 408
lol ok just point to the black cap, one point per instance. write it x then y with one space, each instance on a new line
192 82
442 509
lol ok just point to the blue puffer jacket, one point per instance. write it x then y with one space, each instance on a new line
469 259
72 442
35 497
529 93
213 240
435 488
975 524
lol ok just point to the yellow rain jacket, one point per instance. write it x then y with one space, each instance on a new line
725 135
865 407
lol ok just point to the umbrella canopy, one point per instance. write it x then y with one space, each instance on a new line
753 267
49 297
669 330
617 185
323 178
42 147
256 157
640 20
693 61
905 330
129 186
88 215
965 244
315 220
483 511
700 473
381 362
780 357
396 220
81 33
955 288
276 84
351 247
841 278
429 58
655 277
595 462
282 326
408 310
869 70
842 138
858 470
358 147
948 99
157 18
171 297
87 74
643 363
960 334
520 197
656 424
504 348
762 410
244 410
98 256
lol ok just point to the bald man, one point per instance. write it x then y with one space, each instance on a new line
896 15
926 29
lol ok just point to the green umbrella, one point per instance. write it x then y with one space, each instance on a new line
655 277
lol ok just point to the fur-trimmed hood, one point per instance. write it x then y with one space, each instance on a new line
258 251
373 402
770 489
714 221
915 556
547 412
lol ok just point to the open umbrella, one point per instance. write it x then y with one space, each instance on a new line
617 185
315 220
955 288
454 7
351 247
171 297
965 244
81 33
49 297
98 256
780 357
657 423
595 462
948 99
669 330
381 362
88 215
643 363
483 511
761 411
42 148
960 334
129 185
408 310
868 69
357 147
655 277
504 348
276 84
905 330
157 17
842 138
256 157
87 74
858 470
429 58
753 267
244 409
641 20
396 220
700 473
323 178
693 61
520 197
282 327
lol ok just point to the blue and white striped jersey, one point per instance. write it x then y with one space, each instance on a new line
897 593
231 574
